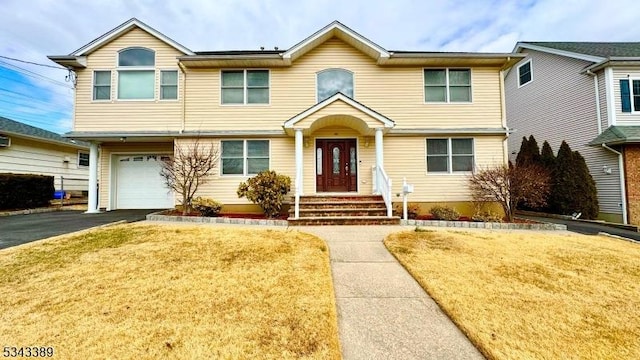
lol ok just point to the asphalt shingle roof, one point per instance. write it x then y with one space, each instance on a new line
9 126
615 135
602 49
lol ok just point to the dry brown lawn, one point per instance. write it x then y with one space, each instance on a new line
532 295
178 292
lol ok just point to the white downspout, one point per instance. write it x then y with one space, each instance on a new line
184 97
503 116
598 115
622 182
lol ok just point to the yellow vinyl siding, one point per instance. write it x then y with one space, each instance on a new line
127 115
26 156
223 188
396 92
406 157
106 152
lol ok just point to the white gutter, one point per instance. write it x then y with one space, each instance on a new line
623 192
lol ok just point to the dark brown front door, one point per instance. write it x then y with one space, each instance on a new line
336 165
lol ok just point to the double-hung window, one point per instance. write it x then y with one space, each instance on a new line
449 155
102 85
525 75
83 158
168 85
136 74
630 93
244 157
245 87
447 85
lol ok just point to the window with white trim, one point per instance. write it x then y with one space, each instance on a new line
525 75
245 87
136 74
332 81
244 157
83 158
450 155
447 85
102 85
168 85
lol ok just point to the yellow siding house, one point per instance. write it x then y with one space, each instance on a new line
336 112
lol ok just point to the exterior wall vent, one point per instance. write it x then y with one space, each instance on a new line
5 141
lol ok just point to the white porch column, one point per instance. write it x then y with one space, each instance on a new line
379 148
92 206
299 162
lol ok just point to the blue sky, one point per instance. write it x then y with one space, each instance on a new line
40 96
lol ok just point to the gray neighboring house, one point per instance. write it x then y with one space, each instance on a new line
587 93
26 149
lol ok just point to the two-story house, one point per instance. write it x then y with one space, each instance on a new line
336 112
587 93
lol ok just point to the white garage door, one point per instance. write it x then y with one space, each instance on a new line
139 184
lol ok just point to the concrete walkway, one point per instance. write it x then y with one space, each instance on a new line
382 311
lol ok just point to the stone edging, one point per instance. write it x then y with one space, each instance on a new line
30 211
484 225
437 223
215 220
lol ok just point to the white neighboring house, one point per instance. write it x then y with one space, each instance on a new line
26 149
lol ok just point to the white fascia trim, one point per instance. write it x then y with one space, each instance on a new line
611 103
336 25
97 43
289 124
522 45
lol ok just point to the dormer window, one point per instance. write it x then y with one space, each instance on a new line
332 81
136 74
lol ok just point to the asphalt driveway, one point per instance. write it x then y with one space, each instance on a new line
21 229
589 228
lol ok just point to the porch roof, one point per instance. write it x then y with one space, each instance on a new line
338 110
617 135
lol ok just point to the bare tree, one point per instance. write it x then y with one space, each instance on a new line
190 167
510 186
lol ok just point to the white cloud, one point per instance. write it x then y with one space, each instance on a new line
47 27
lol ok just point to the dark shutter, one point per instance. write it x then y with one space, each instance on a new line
626 95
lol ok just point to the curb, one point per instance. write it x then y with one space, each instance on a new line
35 211
484 225
618 237
569 218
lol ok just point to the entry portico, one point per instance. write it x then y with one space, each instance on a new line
338 110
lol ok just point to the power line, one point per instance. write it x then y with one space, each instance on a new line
34 107
35 74
34 63
31 84
20 96
25 120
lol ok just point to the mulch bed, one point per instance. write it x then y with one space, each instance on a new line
175 212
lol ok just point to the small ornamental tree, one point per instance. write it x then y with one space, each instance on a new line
190 167
522 153
266 189
510 185
547 158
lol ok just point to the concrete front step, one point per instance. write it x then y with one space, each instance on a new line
345 220
341 211
339 198
375 205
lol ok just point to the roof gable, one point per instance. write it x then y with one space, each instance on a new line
342 32
124 28
521 46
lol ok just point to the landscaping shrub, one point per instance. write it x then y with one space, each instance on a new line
268 190
573 189
486 216
25 191
206 206
441 212
529 153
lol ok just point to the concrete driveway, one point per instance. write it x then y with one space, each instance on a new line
21 229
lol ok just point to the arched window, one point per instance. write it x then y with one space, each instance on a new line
136 74
332 81
137 57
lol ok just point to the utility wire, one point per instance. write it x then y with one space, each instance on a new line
25 120
33 107
34 63
21 96
55 90
34 74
